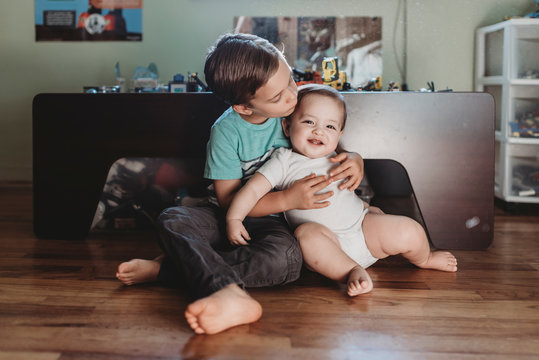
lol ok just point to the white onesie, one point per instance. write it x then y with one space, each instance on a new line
344 216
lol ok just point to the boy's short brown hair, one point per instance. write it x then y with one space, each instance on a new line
238 65
318 89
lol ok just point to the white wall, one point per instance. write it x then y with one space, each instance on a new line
176 34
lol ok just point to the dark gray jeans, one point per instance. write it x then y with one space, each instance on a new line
197 249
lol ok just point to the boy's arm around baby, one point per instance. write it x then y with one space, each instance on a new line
350 168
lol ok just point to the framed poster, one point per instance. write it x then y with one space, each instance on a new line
305 41
88 20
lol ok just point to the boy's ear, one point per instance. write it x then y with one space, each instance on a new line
243 109
286 126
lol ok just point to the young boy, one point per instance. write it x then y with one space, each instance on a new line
364 233
253 77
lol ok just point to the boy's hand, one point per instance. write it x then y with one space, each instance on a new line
302 194
237 234
351 169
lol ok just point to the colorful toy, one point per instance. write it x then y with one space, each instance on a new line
177 85
307 77
373 85
332 75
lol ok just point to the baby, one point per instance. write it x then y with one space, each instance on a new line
345 236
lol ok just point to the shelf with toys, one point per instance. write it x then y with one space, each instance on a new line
507 67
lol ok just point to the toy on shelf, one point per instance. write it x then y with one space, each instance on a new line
432 88
177 85
100 89
119 87
146 79
394 86
332 76
373 85
194 84
306 77
526 125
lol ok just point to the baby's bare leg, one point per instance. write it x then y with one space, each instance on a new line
391 235
323 254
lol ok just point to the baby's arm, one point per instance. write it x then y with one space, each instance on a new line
242 203
225 191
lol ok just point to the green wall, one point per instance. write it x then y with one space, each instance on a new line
176 34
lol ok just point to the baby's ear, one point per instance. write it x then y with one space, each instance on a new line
285 123
242 109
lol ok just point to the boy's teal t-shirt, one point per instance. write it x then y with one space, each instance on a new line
237 149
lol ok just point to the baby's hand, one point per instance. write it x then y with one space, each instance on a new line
351 169
237 234
302 194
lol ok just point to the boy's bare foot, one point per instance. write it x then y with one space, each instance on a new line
441 260
359 281
228 307
138 271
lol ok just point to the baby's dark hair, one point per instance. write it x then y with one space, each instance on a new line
319 89
238 65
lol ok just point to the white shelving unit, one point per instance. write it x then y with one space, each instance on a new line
507 67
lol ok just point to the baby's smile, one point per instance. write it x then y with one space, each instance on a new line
316 142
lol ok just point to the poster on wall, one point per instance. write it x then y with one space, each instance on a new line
306 41
88 20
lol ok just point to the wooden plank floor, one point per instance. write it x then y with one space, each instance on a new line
60 300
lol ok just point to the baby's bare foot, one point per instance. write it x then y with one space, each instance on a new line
228 307
359 281
138 271
441 260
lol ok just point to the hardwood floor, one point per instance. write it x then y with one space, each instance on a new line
60 300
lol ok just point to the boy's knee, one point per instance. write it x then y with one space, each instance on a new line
170 217
172 212
181 218
284 259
